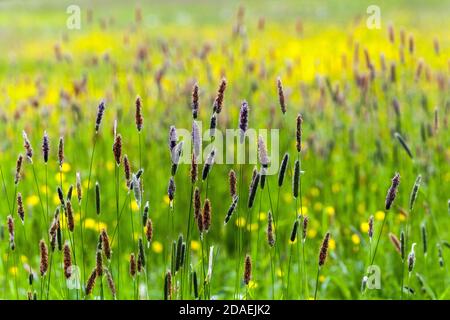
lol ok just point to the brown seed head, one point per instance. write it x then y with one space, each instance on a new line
270 234
18 169
281 95
218 102
67 261
324 250
61 152
149 230
99 263
44 258
70 217
206 215
247 269
20 211
299 132
91 281
117 149
392 192
233 182
139 118
105 244
132 265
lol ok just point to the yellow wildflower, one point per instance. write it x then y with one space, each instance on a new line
157 247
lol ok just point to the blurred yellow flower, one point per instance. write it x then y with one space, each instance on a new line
134 206
262 216
332 244
240 222
157 247
330 211
335 187
361 208
364 227
13 270
252 284
379 215
280 273
318 206
43 190
401 217
287 197
23 259
91 224
315 192
311 233
33 200
65 167
110 166
355 239
252 227
304 210
166 199
322 278
195 245
56 199
60 177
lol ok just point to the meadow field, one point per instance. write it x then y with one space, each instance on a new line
354 203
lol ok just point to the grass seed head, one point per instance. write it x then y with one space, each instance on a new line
253 188
324 250
171 189
396 243
294 231
18 169
194 170
61 152
270 232
27 146
207 215
20 210
133 266
141 256
218 102
414 192
100 112
117 149
296 179
97 198
283 167
91 281
281 95
10 223
105 244
243 120
138 115
67 261
392 191
231 209
305 227
370 231
195 103
299 133
45 147
247 269
70 216
79 190
127 170
43 267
